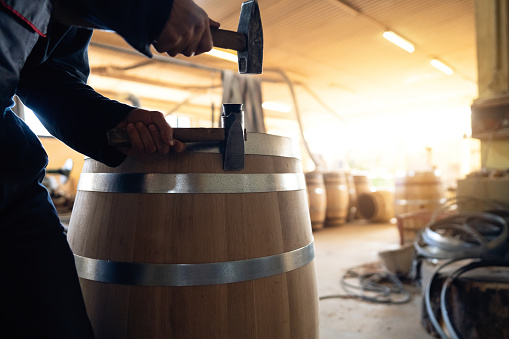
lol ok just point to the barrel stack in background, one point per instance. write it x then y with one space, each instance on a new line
317 199
174 247
336 187
415 194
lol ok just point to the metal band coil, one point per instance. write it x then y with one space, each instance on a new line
190 182
140 274
487 233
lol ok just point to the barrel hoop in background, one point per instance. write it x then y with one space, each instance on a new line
175 183
139 274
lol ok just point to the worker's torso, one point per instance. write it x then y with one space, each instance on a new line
24 36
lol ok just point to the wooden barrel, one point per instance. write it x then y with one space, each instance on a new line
352 197
376 206
317 199
362 185
337 198
174 247
417 191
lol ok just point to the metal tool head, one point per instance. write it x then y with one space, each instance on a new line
233 123
250 24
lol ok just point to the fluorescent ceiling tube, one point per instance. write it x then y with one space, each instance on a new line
441 67
223 55
399 41
275 106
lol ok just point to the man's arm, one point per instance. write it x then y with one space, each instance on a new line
78 115
73 112
172 26
139 22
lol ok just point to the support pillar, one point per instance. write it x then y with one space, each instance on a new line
490 111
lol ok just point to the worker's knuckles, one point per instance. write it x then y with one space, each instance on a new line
169 43
188 42
183 39
179 147
204 46
157 117
200 26
163 149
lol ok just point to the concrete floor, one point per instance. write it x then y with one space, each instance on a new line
340 248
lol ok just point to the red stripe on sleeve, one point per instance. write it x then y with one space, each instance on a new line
28 22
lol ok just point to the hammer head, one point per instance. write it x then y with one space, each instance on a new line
250 24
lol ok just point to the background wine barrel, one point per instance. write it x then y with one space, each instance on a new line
317 199
352 198
362 185
417 191
174 247
337 198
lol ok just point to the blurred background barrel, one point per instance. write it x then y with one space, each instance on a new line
336 188
416 192
174 247
352 198
317 199
376 206
362 185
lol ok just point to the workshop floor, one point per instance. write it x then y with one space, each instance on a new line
340 248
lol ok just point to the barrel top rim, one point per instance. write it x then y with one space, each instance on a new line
273 145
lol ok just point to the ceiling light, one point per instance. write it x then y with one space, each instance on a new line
399 41
441 67
223 55
275 106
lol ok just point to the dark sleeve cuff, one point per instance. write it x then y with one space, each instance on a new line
159 19
110 156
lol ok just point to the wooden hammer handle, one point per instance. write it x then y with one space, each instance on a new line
118 137
228 39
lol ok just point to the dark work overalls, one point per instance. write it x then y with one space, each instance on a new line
45 63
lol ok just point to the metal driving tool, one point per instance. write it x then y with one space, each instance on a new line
232 120
247 41
230 137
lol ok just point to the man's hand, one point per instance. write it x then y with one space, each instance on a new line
187 30
149 132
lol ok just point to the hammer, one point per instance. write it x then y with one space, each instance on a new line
247 41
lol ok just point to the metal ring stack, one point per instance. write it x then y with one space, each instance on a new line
480 237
